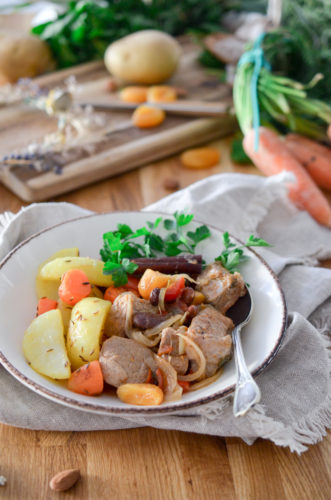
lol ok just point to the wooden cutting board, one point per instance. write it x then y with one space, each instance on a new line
118 146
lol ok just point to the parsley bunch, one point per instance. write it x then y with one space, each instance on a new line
233 254
124 244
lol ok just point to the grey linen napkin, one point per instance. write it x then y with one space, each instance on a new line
295 406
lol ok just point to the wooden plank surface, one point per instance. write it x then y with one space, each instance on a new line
115 146
148 463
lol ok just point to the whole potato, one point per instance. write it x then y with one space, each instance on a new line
22 56
147 57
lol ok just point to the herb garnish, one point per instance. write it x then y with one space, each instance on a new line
178 241
233 254
121 245
124 244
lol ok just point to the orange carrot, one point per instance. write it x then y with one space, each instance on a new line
159 378
132 284
273 157
45 304
112 292
87 379
313 156
74 287
184 385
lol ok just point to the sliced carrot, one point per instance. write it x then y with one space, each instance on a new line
200 158
161 93
134 94
45 304
113 292
273 157
87 379
74 287
184 385
165 349
313 156
148 116
159 378
149 376
132 284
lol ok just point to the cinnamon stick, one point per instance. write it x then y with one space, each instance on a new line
188 264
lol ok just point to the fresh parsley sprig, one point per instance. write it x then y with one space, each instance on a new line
124 244
233 254
178 240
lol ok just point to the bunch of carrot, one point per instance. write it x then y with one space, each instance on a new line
309 161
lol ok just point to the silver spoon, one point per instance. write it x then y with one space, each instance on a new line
247 392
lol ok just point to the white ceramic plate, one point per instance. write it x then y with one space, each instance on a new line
261 338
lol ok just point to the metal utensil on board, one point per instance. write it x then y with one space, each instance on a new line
247 392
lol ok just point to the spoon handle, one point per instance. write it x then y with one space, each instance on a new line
247 392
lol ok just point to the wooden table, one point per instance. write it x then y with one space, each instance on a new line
149 463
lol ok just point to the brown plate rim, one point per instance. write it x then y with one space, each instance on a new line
159 410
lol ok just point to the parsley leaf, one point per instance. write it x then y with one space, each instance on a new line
178 241
253 241
201 233
233 255
117 272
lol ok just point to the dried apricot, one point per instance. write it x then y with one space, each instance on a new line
148 116
200 158
161 93
140 394
135 95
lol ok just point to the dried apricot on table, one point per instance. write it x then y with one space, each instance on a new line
200 158
161 93
148 116
134 94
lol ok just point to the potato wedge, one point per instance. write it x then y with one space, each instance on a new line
44 346
66 311
48 288
86 329
92 267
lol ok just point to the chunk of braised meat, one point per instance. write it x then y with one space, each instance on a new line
211 331
171 349
126 361
142 313
221 288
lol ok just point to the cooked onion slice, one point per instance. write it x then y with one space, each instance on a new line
140 337
129 315
169 373
150 332
206 381
175 395
202 361
161 303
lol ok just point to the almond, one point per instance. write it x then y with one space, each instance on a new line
64 480
171 184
